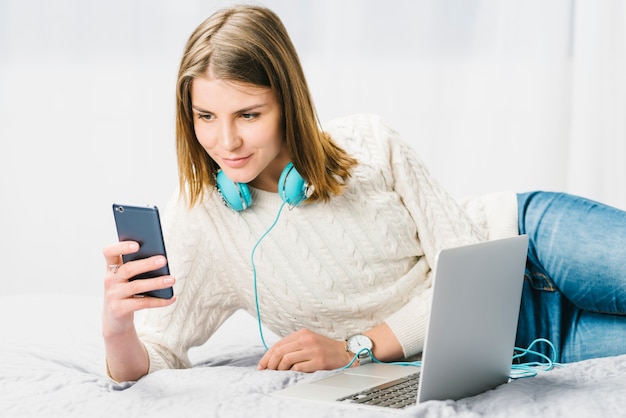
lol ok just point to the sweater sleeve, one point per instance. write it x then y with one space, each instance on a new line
441 223
201 304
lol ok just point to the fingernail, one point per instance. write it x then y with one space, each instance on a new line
168 280
133 246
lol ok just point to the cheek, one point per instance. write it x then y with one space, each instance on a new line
272 138
204 137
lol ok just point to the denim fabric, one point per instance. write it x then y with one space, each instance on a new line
575 280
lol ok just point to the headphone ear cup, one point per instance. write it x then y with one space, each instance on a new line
291 186
235 195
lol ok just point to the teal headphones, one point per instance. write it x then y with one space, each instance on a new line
292 189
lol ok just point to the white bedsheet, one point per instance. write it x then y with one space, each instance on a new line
52 364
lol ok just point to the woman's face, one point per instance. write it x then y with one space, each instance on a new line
239 126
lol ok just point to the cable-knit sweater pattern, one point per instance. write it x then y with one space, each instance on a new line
337 268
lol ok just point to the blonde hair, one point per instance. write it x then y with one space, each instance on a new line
249 44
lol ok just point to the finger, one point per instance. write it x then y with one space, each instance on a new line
120 307
273 356
118 313
124 274
140 286
113 253
284 356
266 358
133 268
117 295
116 289
263 363
292 360
139 303
305 366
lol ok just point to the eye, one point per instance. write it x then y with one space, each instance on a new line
204 116
249 116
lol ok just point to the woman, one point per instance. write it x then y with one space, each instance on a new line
349 265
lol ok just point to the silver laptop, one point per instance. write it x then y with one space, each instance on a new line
469 340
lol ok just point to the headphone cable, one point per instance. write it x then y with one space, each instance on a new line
254 275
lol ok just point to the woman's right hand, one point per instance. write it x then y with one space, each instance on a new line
120 300
127 358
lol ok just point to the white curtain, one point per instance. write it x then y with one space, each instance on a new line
597 140
494 95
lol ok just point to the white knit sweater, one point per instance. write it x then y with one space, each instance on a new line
337 268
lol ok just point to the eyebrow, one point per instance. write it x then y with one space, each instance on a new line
244 110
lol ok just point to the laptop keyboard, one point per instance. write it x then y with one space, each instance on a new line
398 393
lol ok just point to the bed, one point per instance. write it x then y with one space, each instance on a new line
52 365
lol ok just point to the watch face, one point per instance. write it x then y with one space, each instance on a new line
358 342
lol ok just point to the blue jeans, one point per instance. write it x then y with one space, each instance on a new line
575 281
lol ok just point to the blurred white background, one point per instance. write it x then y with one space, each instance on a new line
494 94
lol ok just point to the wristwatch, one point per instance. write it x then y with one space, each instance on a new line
356 344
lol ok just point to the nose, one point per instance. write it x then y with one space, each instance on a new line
229 136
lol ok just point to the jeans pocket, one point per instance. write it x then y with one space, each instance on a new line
539 281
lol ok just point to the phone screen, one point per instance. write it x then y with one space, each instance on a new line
143 225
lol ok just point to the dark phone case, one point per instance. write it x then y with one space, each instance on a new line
142 224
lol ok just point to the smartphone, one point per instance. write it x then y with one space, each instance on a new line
143 225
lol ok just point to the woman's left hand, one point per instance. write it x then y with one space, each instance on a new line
305 351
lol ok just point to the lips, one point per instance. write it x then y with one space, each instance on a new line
236 162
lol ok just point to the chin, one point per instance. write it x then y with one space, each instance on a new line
238 177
